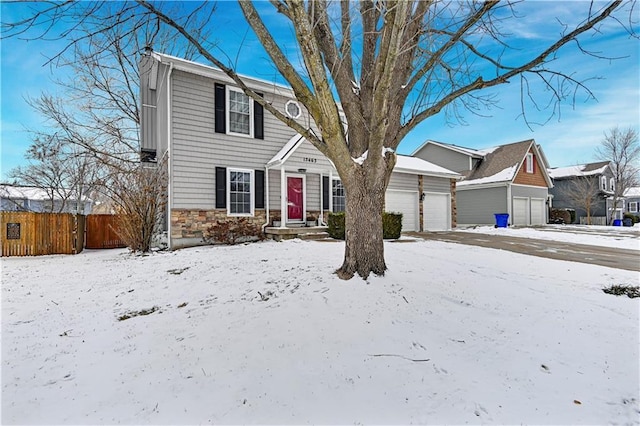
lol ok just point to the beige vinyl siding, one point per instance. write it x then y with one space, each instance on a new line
403 181
436 184
197 149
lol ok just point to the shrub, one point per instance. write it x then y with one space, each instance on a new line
633 217
233 231
391 225
623 290
560 216
335 225
572 212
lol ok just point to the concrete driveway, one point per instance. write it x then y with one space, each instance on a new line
604 256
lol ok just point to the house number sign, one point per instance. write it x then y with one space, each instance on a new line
13 231
309 160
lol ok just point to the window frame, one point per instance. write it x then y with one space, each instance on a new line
252 190
292 102
334 196
634 205
603 183
228 112
612 184
529 165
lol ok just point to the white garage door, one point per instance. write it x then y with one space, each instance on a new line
520 211
405 202
436 212
538 216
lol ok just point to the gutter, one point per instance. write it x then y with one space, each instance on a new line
266 191
169 174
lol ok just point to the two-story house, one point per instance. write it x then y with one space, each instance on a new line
229 158
632 200
574 184
509 178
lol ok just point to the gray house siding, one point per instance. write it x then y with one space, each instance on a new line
477 207
197 149
403 182
443 157
528 191
436 184
562 201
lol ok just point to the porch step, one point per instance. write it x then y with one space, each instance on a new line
314 236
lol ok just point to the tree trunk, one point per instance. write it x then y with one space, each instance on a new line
364 246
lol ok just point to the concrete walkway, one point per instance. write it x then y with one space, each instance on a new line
597 255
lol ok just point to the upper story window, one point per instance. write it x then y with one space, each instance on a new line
612 184
529 163
338 196
603 183
239 112
293 109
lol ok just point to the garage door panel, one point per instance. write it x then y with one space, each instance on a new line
520 211
436 212
538 216
404 202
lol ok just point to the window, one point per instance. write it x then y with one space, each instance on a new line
339 199
612 184
633 207
240 192
603 183
239 112
293 109
529 163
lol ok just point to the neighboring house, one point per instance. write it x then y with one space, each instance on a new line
597 176
227 158
31 199
632 200
510 178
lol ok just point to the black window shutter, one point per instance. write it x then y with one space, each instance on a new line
221 188
325 192
259 193
258 120
220 106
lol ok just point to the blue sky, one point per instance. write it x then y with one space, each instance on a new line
568 138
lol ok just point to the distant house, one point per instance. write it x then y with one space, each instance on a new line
31 199
597 176
509 178
632 200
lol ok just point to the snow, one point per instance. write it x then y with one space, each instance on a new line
560 172
360 160
502 176
450 335
633 192
627 238
406 164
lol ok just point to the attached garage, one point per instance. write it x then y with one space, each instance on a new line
529 211
405 202
436 212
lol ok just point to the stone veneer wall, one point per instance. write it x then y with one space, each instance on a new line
194 223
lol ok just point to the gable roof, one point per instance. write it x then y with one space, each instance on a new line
581 170
633 192
404 163
475 153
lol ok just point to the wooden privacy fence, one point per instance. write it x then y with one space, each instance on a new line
33 234
101 232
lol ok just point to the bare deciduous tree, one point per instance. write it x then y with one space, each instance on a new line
622 150
140 200
584 193
390 65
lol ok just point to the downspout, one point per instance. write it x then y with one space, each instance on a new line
509 203
266 186
169 174
283 198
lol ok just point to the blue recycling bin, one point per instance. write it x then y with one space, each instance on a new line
502 220
617 222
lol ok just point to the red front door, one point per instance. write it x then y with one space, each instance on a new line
295 204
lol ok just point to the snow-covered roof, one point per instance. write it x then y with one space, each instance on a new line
28 193
580 170
406 164
633 192
505 175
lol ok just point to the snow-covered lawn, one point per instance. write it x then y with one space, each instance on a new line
606 236
265 333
